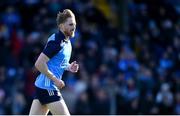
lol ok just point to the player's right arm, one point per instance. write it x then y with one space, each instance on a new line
41 65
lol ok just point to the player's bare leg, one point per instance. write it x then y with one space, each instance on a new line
38 109
58 108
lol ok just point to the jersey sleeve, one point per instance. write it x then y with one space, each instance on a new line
51 49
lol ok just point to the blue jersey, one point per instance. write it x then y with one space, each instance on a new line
59 52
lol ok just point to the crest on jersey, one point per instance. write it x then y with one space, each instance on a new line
62 43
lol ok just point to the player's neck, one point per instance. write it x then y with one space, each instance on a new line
66 37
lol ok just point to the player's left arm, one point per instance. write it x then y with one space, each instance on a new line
73 67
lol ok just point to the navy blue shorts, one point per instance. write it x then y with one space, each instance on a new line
47 96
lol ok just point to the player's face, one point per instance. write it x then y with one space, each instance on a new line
70 27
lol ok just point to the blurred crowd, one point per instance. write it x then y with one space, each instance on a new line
128 51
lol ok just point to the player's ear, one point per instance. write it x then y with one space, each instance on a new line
61 26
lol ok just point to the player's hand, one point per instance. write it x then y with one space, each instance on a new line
73 67
59 83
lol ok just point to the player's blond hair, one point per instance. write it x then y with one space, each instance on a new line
62 16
